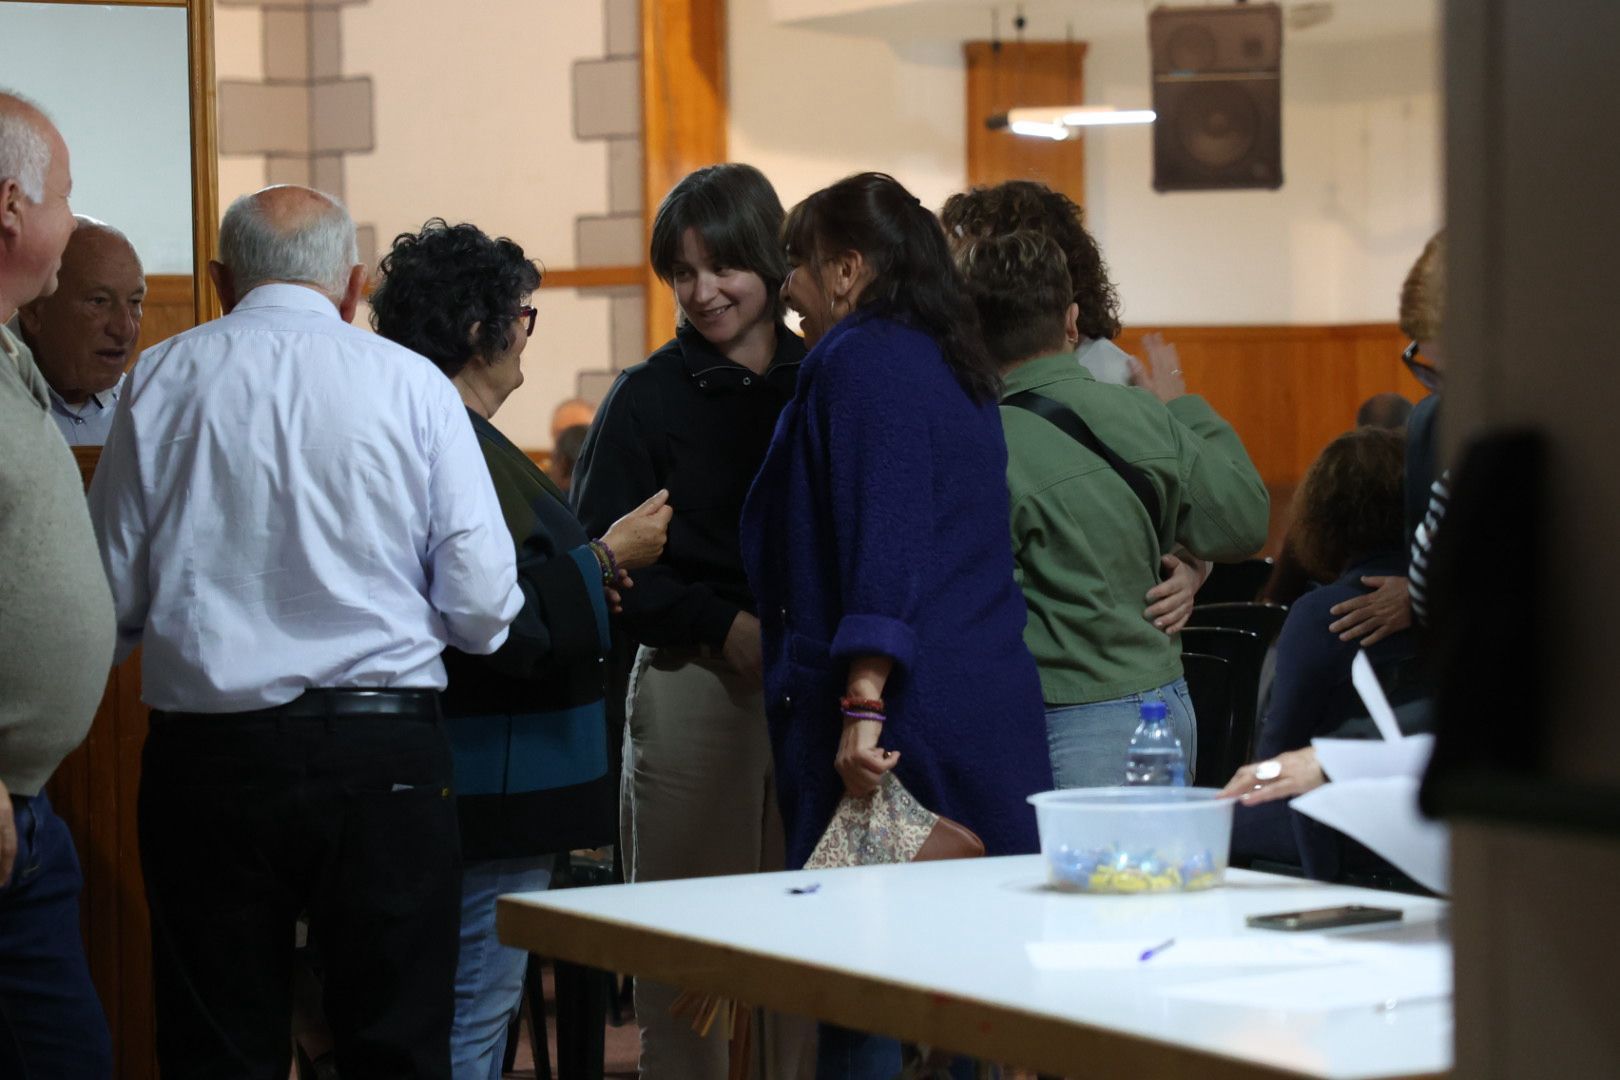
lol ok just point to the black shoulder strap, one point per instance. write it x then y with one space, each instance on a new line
1069 422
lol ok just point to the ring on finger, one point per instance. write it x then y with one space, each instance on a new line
1267 771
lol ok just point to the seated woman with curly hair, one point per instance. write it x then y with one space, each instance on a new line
1348 525
526 724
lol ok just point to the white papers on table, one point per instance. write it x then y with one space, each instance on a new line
1225 953
1376 976
1271 970
1373 798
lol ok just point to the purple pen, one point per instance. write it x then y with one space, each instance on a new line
1148 954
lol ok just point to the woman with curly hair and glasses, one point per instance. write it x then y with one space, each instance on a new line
526 724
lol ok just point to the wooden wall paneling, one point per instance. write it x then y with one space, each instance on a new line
170 308
94 790
204 154
1286 390
684 115
1023 74
593 277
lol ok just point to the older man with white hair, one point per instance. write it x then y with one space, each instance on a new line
296 521
83 334
56 623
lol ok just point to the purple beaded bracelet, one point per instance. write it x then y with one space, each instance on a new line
857 715
610 564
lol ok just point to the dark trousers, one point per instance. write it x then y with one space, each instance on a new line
51 1023
248 821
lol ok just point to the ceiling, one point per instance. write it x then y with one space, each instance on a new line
1086 20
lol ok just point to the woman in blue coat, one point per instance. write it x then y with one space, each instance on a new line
875 537
875 540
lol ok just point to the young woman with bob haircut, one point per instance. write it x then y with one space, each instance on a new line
698 793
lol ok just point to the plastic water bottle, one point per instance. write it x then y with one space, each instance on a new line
1155 758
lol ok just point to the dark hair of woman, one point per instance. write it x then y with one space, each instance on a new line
1026 204
433 286
1020 287
914 278
1351 504
738 215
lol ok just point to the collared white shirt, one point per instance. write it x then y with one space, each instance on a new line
286 502
87 424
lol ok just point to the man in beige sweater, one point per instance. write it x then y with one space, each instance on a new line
56 639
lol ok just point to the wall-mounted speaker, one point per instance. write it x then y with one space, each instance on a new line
1217 89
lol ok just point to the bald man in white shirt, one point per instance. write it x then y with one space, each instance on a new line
296 520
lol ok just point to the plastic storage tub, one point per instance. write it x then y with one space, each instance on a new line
1134 839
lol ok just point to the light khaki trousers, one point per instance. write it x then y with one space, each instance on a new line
699 800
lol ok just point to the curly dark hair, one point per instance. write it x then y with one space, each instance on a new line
914 281
1019 284
1026 204
432 286
1351 503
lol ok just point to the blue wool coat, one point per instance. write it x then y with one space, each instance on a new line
878 525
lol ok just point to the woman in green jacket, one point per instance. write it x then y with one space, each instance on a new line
1088 547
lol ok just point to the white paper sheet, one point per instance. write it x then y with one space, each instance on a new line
1383 814
1407 975
1372 695
1238 953
1373 759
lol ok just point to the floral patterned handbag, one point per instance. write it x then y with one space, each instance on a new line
890 826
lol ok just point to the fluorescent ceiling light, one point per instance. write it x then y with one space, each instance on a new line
1061 121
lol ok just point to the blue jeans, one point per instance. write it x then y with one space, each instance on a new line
842 1054
1088 742
51 1023
489 975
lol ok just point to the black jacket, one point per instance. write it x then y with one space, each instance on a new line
527 727
689 420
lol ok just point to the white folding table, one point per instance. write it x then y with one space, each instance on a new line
982 957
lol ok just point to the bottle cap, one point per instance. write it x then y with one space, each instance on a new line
1153 709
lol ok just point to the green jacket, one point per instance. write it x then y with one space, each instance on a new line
1086 551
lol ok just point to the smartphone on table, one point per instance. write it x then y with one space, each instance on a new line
1327 918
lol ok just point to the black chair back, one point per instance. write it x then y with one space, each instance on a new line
1246 652
1209 682
1238 582
1264 619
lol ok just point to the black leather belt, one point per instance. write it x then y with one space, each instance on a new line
332 704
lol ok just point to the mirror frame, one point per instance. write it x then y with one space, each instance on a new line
204 139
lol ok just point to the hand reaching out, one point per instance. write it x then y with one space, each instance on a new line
1161 374
637 539
1375 615
1282 777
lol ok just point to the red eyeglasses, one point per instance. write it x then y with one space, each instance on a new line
527 314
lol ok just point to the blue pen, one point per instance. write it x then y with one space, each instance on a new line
1148 954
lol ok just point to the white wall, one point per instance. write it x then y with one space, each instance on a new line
475 123
127 125
811 106
1361 193
1361 160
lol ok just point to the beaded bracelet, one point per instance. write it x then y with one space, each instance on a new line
873 705
605 557
850 714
